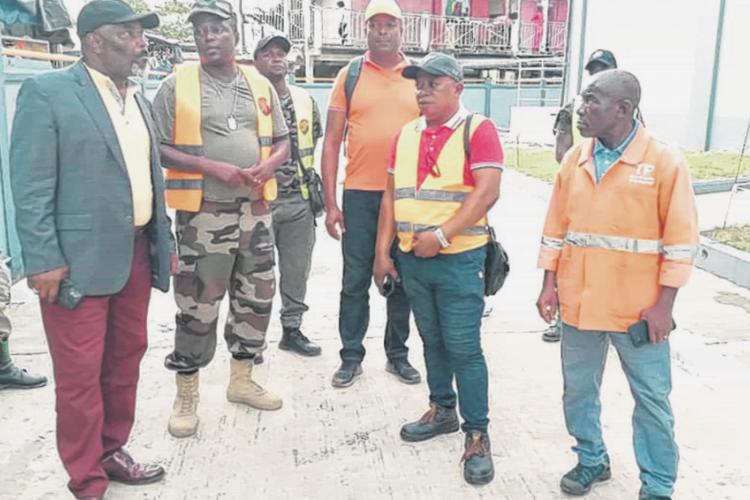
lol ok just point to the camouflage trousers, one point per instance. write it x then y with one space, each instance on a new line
227 246
5 283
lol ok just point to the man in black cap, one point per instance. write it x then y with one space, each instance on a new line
95 237
566 136
436 202
223 136
293 217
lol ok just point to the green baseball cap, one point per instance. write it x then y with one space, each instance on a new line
219 8
604 57
279 40
96 14
438 64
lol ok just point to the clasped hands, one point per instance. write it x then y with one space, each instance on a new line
253 177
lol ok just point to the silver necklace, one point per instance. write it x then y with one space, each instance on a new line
232 123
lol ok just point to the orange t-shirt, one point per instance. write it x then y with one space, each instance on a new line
383 102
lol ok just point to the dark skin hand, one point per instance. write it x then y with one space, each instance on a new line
47 284
547 303
659 317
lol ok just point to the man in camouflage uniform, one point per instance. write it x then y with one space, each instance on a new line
11 377
228 244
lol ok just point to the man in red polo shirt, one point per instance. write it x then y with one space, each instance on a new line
382 102
437 201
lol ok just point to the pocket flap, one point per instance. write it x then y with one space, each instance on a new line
79 222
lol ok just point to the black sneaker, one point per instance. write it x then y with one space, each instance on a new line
582 478
438 420
347 374
478 466
402 369
551 334
294 340
258 359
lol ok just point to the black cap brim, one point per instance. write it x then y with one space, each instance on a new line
606 64
286 45
148 20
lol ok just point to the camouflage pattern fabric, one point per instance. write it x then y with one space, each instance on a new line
227 246
5 283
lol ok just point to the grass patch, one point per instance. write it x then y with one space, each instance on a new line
540 163
734 236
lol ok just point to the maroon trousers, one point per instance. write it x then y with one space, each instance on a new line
96 352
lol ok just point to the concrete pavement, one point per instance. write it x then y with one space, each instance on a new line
344 444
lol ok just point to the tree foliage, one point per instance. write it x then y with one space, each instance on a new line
173 14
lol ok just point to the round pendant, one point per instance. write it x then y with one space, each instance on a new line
232 123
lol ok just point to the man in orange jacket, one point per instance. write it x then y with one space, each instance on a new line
619 240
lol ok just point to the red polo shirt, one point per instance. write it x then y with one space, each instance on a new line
486 151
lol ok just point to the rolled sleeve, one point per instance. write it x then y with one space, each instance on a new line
679 218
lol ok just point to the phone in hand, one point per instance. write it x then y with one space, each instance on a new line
69 296
389 286
638 333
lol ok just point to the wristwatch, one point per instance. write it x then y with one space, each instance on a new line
441 238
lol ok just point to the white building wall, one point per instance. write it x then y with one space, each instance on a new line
669 45
732 110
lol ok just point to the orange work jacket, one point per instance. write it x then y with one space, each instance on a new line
614 244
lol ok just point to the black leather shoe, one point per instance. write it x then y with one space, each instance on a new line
294 340
438 420
478 467
347 374
402 369
12 377
258 359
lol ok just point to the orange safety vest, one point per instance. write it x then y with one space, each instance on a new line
438 199
185 189
614 244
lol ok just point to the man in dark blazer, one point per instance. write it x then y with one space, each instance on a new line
88 191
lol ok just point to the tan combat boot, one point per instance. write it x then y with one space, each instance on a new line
243 389
183 422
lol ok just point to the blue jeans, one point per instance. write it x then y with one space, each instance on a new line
361 212
648 371
447 295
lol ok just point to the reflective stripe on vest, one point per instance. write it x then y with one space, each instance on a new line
438 199
552 243
303 112
407 227
630 245
184 190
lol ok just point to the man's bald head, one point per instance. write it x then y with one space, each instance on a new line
609 102
618 85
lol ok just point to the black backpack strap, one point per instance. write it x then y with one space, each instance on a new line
467 137
352 77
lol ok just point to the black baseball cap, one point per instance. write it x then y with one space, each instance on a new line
100 12
604 57
280 40
438 64
219 8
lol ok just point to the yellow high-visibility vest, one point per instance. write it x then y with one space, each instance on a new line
438 199
304 113
185 189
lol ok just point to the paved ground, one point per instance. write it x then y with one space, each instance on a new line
343 444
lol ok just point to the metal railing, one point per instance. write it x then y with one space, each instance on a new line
557 36
469 35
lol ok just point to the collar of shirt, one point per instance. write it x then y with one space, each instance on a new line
453 122
397 69
102 81
604 157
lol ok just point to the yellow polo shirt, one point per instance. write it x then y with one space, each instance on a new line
135 143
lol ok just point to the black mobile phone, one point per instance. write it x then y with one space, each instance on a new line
69 296
638 333
389 286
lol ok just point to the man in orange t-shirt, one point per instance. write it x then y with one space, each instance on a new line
383 101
